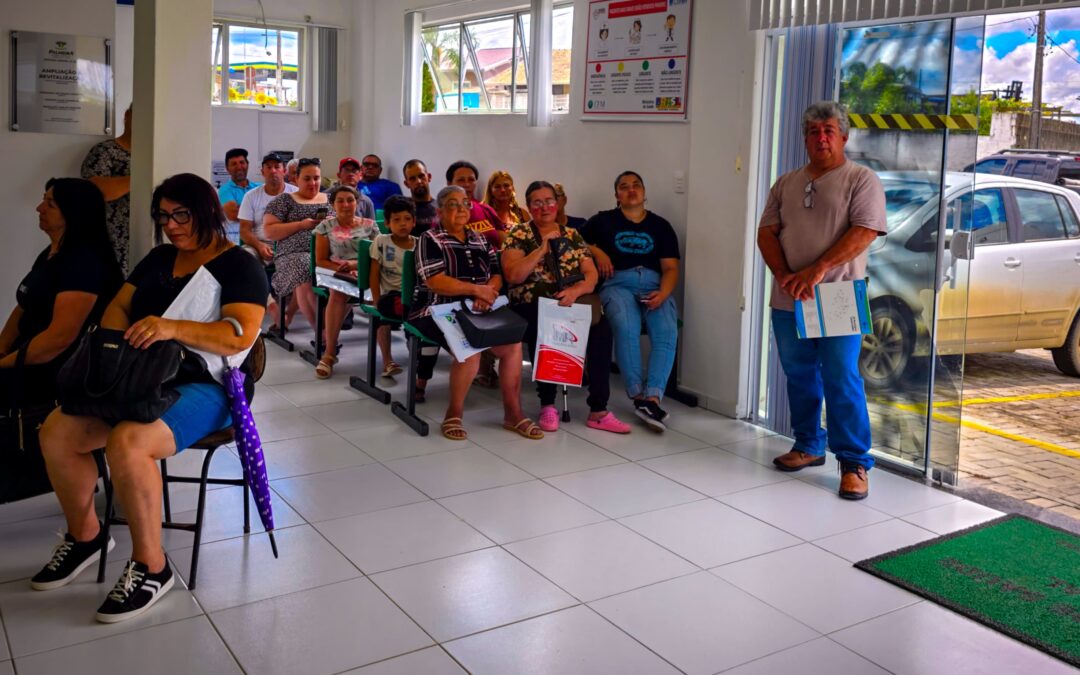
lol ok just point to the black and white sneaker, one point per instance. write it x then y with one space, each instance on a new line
650 413
69 559
135 592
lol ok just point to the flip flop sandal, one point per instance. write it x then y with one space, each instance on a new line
452 429
525 427
325 367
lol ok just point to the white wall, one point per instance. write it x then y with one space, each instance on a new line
262 131
711 219
33 158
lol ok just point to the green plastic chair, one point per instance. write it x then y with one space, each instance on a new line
322 297
407 412
375 319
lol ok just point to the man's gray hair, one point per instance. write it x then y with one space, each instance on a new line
823 111
293 163
448 192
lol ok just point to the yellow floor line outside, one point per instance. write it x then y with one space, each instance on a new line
1042 445
1012 399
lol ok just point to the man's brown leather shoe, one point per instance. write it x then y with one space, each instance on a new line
854 483
796 460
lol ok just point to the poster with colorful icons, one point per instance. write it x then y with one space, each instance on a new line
638 61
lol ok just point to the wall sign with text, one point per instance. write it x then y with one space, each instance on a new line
638 62
61 84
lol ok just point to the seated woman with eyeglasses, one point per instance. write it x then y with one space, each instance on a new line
527 259
185 208
289 220
453 263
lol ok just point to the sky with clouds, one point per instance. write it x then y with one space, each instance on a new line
1010 55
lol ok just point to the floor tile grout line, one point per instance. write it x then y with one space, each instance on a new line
819 636
862 656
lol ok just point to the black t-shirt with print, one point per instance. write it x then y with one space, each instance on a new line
426 215
242 279
631 244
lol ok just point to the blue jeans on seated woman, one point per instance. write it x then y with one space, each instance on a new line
824 370
622 306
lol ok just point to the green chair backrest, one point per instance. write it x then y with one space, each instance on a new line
382 227
380 217
363 264
408 277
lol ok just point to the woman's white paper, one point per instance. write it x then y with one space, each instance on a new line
444 318
200 301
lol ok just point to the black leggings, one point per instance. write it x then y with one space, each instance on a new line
597 360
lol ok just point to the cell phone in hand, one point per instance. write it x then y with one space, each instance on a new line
321 213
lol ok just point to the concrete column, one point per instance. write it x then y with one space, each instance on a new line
171 112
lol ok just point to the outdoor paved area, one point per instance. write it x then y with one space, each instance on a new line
1021 430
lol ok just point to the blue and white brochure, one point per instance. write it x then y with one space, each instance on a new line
838 308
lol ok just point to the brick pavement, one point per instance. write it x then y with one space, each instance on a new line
1016 468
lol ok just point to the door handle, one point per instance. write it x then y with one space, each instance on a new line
1012 263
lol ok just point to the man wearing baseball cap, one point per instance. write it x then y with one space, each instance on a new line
349 174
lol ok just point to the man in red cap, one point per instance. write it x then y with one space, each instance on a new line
349 174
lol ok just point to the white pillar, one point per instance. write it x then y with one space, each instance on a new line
412 80
171 103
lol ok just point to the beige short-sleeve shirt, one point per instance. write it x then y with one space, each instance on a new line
849 195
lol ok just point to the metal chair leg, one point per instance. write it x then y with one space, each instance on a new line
103 472
199 513
165 502
247 509
407 413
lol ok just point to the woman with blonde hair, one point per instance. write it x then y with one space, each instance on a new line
500 195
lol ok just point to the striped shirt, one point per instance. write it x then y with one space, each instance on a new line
438 252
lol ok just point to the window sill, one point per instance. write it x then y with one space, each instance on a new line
259 108
486 113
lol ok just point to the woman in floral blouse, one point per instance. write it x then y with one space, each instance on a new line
528 270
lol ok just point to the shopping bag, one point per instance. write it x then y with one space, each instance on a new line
561 336
443 315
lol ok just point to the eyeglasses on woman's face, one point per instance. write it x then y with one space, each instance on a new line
538 204
454 204
180 216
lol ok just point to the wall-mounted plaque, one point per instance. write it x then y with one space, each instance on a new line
61 84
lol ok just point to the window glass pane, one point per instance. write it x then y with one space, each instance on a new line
987 218
264 66
215 61
1069 170
443 63
995 166
472 83
1039 216
1027 168
493 46
562 37
1071 224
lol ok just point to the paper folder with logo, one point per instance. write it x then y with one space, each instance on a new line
838 308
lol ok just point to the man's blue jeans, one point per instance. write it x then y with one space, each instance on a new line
824 369
624 311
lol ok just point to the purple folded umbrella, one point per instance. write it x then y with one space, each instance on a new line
249 448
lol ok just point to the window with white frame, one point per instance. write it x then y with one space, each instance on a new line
482 65
257 65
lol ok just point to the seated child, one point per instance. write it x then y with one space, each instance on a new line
387 253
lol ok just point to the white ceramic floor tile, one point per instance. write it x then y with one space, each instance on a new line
318 392
39 621
225 464
6 668
268 400
572 641
702 624
715 472
708 533
468 593
520 511
401 536
430 661
224 519
599 560
29 509
713 428
872 540
289 367
349 415
28 545
805 511
238 571
346 492
170 649
820 657
819 589
765 448
557 454
641 443
4 653
953 517
623 490
284 424
323 630
457 471
311 454
394 440
962 645
889 493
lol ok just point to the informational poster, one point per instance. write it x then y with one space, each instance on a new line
61 84
638 59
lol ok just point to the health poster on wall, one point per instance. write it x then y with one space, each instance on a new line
638 59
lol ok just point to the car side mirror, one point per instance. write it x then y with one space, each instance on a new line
961 245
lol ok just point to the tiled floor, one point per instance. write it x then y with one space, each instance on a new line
582 553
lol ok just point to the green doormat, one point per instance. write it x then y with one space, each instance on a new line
1013 574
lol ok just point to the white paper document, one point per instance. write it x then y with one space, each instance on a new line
838 308
200 301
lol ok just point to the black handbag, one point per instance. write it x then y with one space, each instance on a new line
108 378
22 468
502 326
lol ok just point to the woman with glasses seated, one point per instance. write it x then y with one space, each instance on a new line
637 254
453 263
289 221
527 262
185 208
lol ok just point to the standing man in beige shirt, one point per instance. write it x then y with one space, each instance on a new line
816 227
